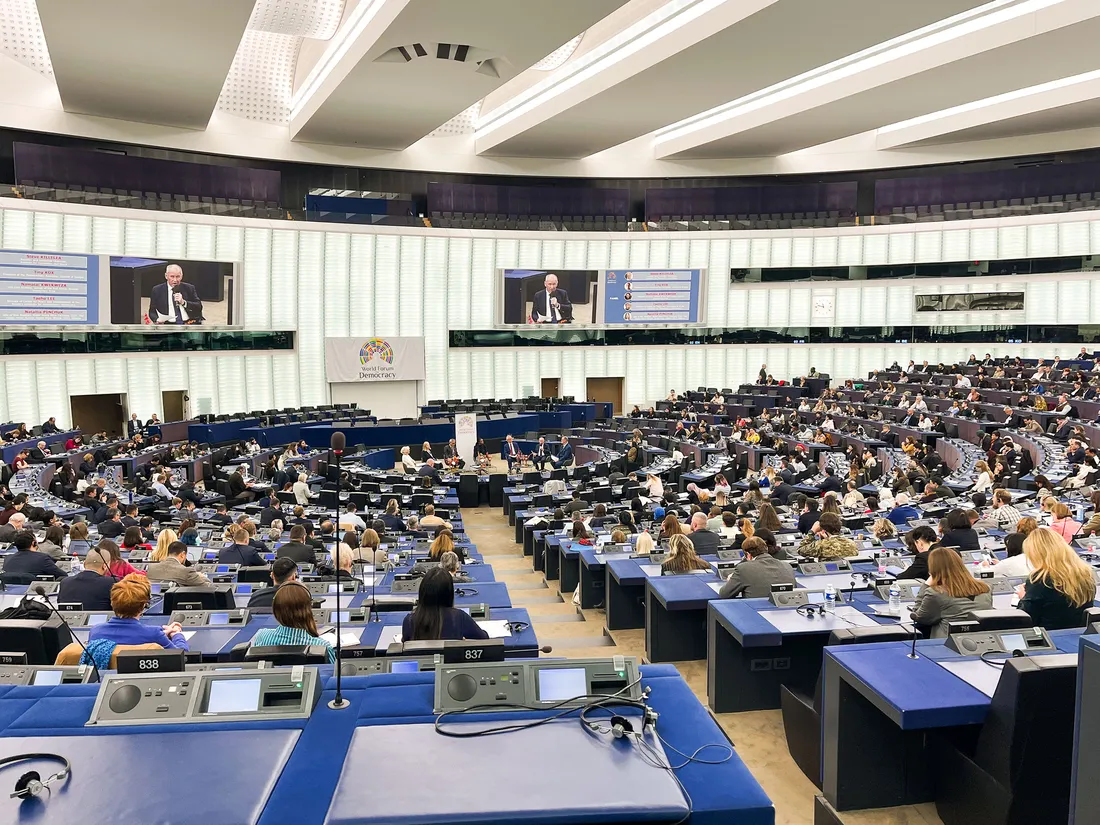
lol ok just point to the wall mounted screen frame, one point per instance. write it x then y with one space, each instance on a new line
601 298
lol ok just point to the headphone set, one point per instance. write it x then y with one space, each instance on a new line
31 784
810 611
620 727
465 591
516 626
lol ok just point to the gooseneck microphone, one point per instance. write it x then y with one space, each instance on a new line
337 444
41 591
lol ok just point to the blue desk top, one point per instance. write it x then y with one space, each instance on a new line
685 592
552 785
627 572
744 620
722 794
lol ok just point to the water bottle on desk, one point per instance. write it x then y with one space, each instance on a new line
76 566
881 559
895 597
830 598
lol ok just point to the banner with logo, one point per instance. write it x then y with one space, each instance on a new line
466 436
374 359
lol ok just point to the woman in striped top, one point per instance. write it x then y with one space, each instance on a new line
293 609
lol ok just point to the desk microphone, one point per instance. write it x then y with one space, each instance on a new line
41 591
337 444
546 649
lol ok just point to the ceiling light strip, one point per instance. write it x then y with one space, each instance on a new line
360 17
645 32
963 25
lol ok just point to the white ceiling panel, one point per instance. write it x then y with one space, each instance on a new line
151 61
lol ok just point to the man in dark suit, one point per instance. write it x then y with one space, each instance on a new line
541 454
90 588
511 452
283 571
565 455
782 492
754 577
270 512
428 470
49 427
26 563
240 551
175 302
112 527
551 305
37 454
831 484
133 426
238 488
296 549
702 539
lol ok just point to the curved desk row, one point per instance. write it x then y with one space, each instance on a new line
398 435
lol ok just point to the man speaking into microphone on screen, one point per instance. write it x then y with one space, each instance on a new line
551 305
175 302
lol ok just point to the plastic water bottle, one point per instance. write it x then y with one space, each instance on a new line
895 597
76 567
881 557
830 598
1081 511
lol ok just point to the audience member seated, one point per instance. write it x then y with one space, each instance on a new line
431 521
1062 524
682 556
920 541
754 577
53 543
174 569
950 592
90 588
903 512
129 600
283 571
117 567
703 541
825 541
435 616
26 562
1061 586
292 605
959 533
449 562
296 549
240 551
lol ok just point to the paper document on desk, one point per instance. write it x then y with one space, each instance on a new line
346 639
391 634
853 616
187 634
496 628
650 569
715 586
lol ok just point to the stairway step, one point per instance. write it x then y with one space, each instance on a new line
555 617
535 597
570 642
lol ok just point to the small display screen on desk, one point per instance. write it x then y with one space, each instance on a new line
219 618
831 567
559 684
234 696
1013 641
47 677
405 667
99 618
342 616
816 597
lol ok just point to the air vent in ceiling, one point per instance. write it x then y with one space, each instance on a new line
481 60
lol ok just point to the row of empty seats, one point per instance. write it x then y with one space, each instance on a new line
161 201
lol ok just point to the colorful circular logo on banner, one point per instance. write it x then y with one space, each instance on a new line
376 348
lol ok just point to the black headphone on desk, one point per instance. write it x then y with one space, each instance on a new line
810 611
620 727
31 783
516 626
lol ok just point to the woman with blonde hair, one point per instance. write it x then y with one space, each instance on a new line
1062 524
1061 586
164 538
950 592
884 530
644 544
444 543
682 556
985 478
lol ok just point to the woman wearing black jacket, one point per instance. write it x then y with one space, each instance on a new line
920 540
959 533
